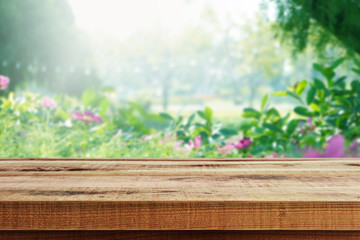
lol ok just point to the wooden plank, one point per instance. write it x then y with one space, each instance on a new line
180 235
171 194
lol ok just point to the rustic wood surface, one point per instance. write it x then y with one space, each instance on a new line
173 194
180 235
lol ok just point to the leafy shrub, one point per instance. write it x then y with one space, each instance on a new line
324 124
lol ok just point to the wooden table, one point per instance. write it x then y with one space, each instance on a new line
180 199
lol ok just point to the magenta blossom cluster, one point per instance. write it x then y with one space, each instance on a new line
4 82
227 149
192 145
274 155
196 143
167 138
242 144
48 103
335 149
307 127
87 117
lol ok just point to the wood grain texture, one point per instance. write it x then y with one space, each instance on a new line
180 235
179 194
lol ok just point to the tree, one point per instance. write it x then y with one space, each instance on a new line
321 22
39 32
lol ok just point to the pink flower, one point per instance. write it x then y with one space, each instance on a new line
227 149
243 143
23 134
77 116
87 117
353 147
48 103
4 82
307 127
146 138
177 144
274 155
118 134
239 145
168 138
197 142
334 149
311 153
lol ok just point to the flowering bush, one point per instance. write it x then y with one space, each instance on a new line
87 117
325 124
48 103
335 149
4 82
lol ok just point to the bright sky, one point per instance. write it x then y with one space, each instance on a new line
122 17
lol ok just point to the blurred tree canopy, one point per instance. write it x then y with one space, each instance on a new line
320 22
40 34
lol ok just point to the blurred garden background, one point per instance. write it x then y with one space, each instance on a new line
179 78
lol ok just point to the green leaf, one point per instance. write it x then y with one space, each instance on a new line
319 84
318 67
356 70
228 132
315 107
190 119
337 62
340 82
341 121
208 113
272 127
273 112
329 73
357 62
301 86
108 89
296 97
326 72
179 121
251 113
216 135
104 106
61 113
180 134
264 101
140 109
281 93
166 116
303 111
310 95
283 120
88 97
292 126
247 125
355 86
201 114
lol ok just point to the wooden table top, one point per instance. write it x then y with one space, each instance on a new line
179 194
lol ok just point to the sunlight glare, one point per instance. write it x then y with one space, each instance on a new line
123 17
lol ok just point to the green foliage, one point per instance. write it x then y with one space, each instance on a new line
327 105
42 32
332 104
320 22
201 124
268 128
